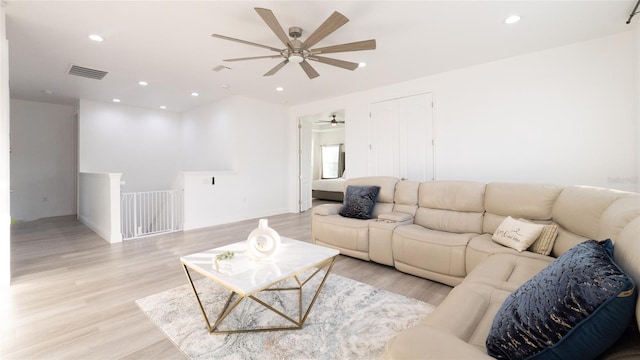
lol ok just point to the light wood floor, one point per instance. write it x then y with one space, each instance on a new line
72 294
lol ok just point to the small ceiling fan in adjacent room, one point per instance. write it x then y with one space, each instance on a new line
297 51
333 121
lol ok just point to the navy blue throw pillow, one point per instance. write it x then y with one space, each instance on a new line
575 308
359 201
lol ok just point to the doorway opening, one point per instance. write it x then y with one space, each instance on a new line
322 166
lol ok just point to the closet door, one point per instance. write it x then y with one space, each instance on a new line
416 137
384 141
402 138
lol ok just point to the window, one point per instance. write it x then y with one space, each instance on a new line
330 161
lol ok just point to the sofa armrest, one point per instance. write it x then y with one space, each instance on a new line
327 209
396 217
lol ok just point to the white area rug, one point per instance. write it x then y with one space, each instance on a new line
350 320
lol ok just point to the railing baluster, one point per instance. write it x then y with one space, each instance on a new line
150 213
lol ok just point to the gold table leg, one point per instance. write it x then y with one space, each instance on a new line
230 306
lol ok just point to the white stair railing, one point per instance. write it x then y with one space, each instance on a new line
151 213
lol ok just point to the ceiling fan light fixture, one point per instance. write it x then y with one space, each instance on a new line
296 58
334 122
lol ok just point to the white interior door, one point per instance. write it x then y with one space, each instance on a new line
384 142
402 143
416 137
305 152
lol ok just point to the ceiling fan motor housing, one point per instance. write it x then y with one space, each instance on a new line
295 32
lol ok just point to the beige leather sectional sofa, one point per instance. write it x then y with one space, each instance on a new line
442 231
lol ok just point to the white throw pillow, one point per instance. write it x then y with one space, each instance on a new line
516 234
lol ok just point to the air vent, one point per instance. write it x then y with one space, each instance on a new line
87 72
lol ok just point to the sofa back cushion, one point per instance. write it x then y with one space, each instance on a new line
406 197
618 215
453 206
387 184
518 200
580 211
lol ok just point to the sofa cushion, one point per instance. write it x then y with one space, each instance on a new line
350 236
531 201
517 234
575 308
565 241
458 222
618 215
405 198
359 201
481 247
452 195
544 243
507 271
431 250
579 209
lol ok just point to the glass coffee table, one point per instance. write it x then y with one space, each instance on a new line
246 278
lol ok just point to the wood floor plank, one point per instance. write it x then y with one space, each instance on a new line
73 294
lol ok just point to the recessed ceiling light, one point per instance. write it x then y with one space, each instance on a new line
96 37
279 88
225 86
194 94
48 92
362 64
163 107
512 19
116 100
143 83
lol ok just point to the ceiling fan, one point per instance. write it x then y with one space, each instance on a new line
333 121
297 51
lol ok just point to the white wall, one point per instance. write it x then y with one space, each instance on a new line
142 144
99 204
208 135
5 243
43 147
254 134
564 115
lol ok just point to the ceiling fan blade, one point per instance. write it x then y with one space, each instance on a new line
311 72
245 42
335 62
330 25
254 57
354 46
277 68
272 22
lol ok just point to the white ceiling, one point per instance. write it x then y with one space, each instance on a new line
169 45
